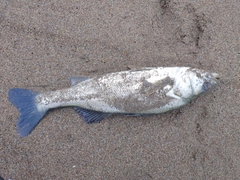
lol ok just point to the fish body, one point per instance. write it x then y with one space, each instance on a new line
135 92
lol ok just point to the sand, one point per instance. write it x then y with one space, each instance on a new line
45 42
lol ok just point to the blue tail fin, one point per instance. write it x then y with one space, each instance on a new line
30 116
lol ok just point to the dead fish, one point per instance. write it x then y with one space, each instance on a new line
132 92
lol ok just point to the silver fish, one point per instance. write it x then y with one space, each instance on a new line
133 92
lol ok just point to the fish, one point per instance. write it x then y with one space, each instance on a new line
143 91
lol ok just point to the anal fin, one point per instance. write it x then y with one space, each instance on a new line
90 116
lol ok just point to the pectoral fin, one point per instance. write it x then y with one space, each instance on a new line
90 116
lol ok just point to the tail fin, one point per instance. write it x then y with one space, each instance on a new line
30 116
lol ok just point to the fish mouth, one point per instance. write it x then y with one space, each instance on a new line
208 85
210 82
214 79
215 75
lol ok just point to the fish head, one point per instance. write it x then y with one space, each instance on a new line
201 81
190 83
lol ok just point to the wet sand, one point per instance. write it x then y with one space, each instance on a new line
44 43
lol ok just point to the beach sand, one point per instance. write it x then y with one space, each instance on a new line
43 43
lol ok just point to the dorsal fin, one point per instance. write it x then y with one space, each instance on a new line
76 80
